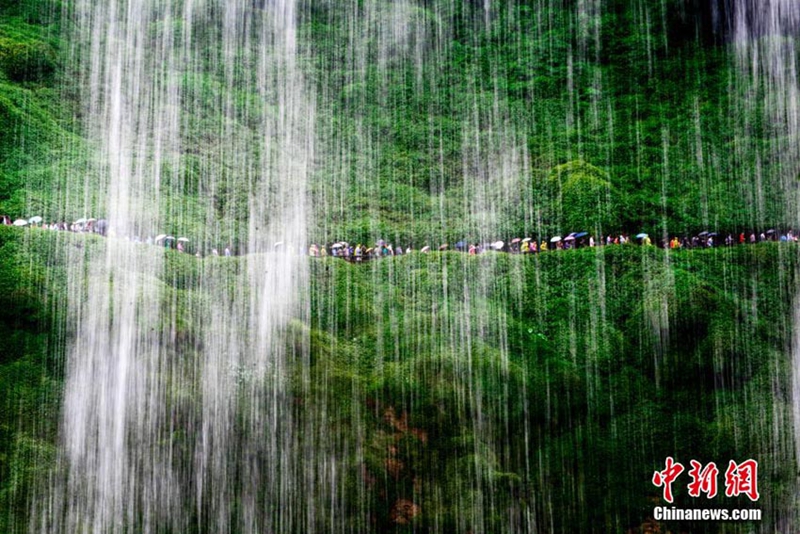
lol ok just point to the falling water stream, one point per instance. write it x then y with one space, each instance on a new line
128 377
767 56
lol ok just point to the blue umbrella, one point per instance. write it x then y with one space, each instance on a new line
581 234
641 236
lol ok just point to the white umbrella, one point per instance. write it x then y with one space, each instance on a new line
20 222
80 221
169 238
183 240
35 219
555 239
160 237
425 249
498 245
91 220
526 239
278 244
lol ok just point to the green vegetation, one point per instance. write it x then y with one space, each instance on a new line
587 368
613 360
649 105
461 132
32 289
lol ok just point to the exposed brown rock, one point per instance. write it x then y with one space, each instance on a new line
398 423
394 467
367 477
404 512
420 434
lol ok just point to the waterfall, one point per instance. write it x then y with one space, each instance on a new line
271 392
158 433
765 39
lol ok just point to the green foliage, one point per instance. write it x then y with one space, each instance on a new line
29 373
584 368
613 360
24 55
583 193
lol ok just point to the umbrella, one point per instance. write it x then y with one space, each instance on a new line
703 234
34 220
368 251
641 236
772 231
80 221
498 245
581 234
160 237
570 237
183 240
713 234
425 249
443 247
337 245
278 244
91 220
526 239
169 238
515 240
20 222
555 239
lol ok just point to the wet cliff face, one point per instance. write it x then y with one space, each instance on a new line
720 21
439 391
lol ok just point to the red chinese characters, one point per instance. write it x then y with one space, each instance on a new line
742 478
703 480
667 477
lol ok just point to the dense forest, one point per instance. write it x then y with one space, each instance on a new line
446 393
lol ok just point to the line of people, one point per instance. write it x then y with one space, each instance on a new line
90 225
360 252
